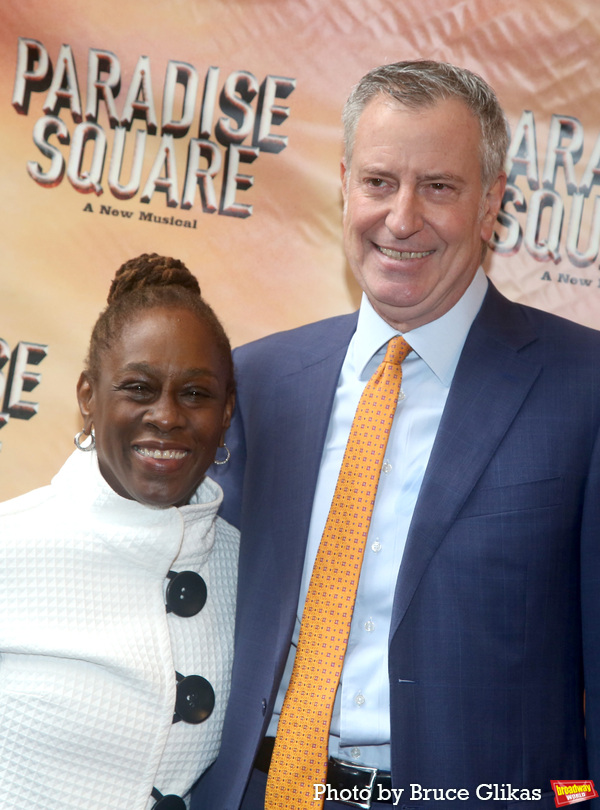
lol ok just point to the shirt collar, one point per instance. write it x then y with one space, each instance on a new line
438 343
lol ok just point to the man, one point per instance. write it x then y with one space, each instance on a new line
477 618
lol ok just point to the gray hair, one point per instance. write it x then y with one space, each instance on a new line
424 83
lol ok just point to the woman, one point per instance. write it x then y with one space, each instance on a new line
119 578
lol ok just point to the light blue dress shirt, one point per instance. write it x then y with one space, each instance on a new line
360 728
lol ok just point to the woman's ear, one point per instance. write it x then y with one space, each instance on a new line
227 415
85 398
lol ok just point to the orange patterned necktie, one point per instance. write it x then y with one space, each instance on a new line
300 755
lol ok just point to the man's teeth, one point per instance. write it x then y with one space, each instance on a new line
144 451
405 254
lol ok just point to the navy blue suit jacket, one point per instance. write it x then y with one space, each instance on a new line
496 618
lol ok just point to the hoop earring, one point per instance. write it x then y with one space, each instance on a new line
85 447
227 457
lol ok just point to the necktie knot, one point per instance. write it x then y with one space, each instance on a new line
397 351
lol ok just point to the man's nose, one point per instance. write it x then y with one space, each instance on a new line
405 216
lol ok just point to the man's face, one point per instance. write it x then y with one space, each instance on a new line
415 213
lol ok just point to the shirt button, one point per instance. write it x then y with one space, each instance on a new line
401 396
355 753
376 546
387 467
359 699
369 625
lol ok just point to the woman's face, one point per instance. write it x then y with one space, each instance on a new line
160 406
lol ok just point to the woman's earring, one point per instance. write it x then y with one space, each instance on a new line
227 457
85 447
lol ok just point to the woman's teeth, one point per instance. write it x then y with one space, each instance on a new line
144 451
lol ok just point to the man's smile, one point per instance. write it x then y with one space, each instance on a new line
403 255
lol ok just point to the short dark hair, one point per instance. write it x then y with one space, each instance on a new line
145 282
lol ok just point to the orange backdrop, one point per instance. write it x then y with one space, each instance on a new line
236 169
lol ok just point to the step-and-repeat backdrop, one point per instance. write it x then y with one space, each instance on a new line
209 130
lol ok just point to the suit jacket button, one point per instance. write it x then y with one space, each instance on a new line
264 707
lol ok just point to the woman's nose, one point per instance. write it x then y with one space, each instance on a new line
165 412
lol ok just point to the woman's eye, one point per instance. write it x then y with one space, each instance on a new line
137 389
195 393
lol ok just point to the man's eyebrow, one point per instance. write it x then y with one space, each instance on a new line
441 176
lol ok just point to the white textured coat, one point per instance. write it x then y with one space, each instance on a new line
88 654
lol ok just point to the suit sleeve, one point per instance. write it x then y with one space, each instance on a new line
590 596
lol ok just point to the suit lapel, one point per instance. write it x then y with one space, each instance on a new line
308 388
490 385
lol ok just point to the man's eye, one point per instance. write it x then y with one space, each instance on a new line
376 182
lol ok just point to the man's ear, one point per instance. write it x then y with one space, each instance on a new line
491 206
344 178
85 398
